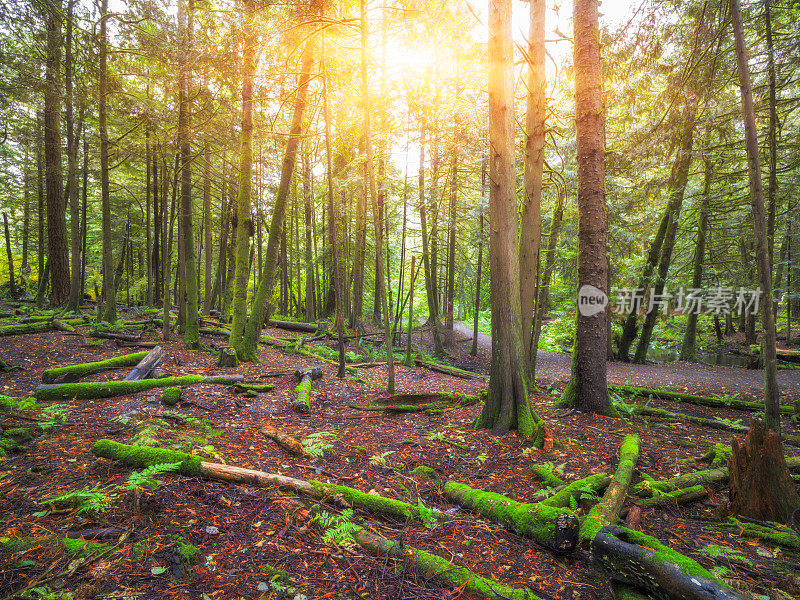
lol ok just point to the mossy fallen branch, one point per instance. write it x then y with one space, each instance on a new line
553 527
642 561
447 370
593 484
73 547
41 327
140 457
769 532
302 401
606 512
680 496
545 475
75 372
110 389
695 399
432 566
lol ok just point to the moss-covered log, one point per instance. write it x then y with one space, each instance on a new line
593 484
171 396
145 367
682 496
110 389
402 511
284 440
767 531
141 457
695 399
243 388
447 370
642 561
7 330
75 372
546 476
432 566
638 409
606 512
553 527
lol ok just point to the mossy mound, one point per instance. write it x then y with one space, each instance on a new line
171 396
427 473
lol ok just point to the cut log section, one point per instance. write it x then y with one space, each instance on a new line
642 561
110 389
73 373
306 377
146 366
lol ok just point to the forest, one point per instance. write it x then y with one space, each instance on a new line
400 299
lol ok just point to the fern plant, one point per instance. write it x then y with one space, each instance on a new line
146 478
379 460
93 499
317 444
338 529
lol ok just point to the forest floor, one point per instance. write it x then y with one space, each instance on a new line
240 531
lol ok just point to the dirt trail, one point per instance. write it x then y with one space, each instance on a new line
554 367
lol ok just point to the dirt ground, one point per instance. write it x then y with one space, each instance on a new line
241 531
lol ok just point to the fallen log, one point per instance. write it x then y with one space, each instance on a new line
109 389
40 327
447 370
293 326
639 409
744 405
433 566
642 561
680 496
141 457
606 512
147 364
592 484
553 527
124 344
106 335
284 440
547 476
764 530
73 373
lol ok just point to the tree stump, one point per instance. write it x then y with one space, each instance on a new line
760 484
227 358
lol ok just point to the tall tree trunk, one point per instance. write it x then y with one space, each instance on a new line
311 301
380 281
474 350
158 211
677 186
12 288
433 314
451 242
148 238
550 255
242 214
71 191
57 250
688 351
338 270
191 334
506 404
771 394
109 313
84 211
246 349
25 269
586 389
166 249
209 243
531 218
772 136
40 199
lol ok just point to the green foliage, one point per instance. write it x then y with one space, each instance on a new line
338 529
726 552
317 444
379 460
427 515
9 404
93 499
54 413
146 478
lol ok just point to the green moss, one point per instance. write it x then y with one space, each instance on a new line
7 330
379 504
686 564
695 399
73 547
302 402
110 389
777 533
545 475
241 388
427 473
452 575
171 396
540 435
189 554
718 454
7 444
141 457
550 526
82 548
81 370
21 434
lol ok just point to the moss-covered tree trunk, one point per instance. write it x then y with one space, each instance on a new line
246 349
243 221
109 313
586 389
506 406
